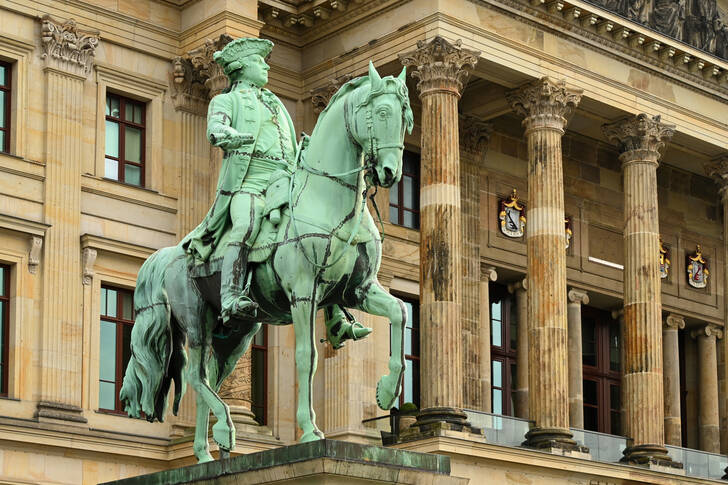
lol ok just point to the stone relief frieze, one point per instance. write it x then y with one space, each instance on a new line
700 23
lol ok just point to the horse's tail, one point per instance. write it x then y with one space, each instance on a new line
157 352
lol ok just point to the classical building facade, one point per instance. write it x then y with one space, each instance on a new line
559 234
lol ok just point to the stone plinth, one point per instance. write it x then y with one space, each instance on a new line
318 462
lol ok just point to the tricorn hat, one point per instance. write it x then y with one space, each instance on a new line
231 56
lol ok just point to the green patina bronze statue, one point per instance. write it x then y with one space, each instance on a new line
289 232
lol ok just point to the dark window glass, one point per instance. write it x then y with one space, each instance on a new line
259 376
124 140
411 379
601 357
117 320
503 339
4 327
404 197
5 94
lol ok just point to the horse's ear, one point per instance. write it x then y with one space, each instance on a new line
374 77
403 75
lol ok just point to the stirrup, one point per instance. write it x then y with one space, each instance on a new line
345 332
242 307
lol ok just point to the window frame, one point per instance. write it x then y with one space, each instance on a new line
264 350
121 122
7 88
505 353
119 366
399 206
5 322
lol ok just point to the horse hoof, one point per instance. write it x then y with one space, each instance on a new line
205 458
385 396
312 436
224 436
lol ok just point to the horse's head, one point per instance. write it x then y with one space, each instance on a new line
382 114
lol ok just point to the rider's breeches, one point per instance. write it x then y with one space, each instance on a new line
246 210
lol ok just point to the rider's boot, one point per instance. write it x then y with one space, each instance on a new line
342 326
233 291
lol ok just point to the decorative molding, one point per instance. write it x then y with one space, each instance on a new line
639 137
196 77
578 296
23 225
708 330
88 258
488 273
36 245
544 103
321 96
116 75
675 321
99 243
474 134
440 65
67 47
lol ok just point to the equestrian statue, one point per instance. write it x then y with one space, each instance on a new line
289 232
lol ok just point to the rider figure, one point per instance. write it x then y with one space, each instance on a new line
256 133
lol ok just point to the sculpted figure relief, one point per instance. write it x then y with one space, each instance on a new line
289 232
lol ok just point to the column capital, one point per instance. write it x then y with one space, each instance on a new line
639 138
66 47
675 321
488 273
544 103
518 285
717 169
474 134
196 77
440 65
618 314
707 330
321 96
579 296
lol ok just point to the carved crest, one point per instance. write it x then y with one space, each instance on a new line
512 216
664 260
569 231
697 269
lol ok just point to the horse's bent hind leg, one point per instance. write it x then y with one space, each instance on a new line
201 447
378 301
303 312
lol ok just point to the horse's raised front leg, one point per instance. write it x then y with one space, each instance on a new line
303 311
377 301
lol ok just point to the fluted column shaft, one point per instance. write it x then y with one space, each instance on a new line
708 418
544 104
439 67
520 393
577 298
671 378
639 138
195 174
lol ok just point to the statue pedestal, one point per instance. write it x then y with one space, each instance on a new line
320 462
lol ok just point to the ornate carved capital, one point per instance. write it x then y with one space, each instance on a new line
474 134
708 330
36 245
520 285
196 77
66 47
618 314
488 273
440 65
718 171
578 296
544 103
320 96
639 138
674 321
88 259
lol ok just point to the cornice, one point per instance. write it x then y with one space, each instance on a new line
25 226
101 243
197 30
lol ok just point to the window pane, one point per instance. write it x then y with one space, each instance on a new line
2 141
107 395
588 343
410 316
3 75
128 111
409 192
497 373
590 392
138 114
259 338
495 333
2 109
495 310
127 301
393 215
409 382
591 418
615 425
132 144
103 301
394 194
112 106
111 303
107 352
614 349
615 398
514 375
2 282
409 220
112 139
111 169
497 401
132 174
408 341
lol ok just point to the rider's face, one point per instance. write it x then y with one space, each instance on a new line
255 70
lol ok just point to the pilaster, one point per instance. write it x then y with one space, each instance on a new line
545 105
520 393
671 378
440 67
639 139
708 417
577 298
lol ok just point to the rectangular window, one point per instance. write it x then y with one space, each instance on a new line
411 380
503 339
259 376
125 121
117 320
5 78
404 197
4 327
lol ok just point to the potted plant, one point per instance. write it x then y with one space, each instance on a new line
407 416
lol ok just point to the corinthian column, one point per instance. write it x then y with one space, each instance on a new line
440 68
545 104
671 378
68 53
718 169
639 139
577 298
708 420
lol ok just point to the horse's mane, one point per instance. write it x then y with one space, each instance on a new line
356 83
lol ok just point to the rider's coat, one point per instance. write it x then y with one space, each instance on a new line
253 111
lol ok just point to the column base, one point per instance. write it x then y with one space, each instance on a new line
57 411
651 456
554 440
440 421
